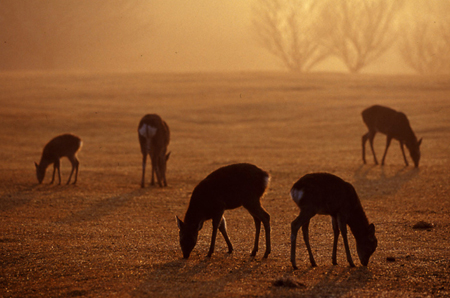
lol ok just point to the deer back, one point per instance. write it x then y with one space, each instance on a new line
325 194
60 146
389 122
228 187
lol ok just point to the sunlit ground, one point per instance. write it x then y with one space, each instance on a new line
107 236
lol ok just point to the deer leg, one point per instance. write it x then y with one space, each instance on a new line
388 143
260 215
59 172
144 162
403 152
153 176
371 137
164 181
343 227
164 175
74 161
364 140
305 230
53 176
295 226
223 230
77 164
266 223
160 175
156 170
166 158
56 167
71 173
153 160
258 231
335 239
216 222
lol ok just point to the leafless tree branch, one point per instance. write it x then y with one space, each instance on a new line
288 30
360 31
425 46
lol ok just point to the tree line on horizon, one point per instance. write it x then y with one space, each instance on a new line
303 33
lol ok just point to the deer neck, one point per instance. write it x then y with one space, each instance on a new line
44 163
358 222
193 217
411 141
409 138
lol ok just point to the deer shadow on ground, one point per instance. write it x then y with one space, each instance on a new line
22 195
193 278
371 181
334 280
103 207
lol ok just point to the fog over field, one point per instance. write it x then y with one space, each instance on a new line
174 36
277 83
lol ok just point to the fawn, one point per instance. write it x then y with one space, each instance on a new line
394 125
154 137
326 194
226 188
66 145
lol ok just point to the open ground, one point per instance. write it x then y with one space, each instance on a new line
106 236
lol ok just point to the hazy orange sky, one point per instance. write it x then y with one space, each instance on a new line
174 35
206 36
141 35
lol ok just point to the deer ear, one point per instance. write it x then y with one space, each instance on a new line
179 223
419 142
200 226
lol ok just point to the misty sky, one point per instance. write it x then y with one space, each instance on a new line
141 35
210 35
175 35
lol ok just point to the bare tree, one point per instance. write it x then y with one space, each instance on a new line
288 30
358 32
425 40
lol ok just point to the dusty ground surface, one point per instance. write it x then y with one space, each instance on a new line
106 236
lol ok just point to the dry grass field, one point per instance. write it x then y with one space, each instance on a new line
108 237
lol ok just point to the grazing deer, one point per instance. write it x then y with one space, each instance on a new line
226 188
394 125
66 145
326 194
154 137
